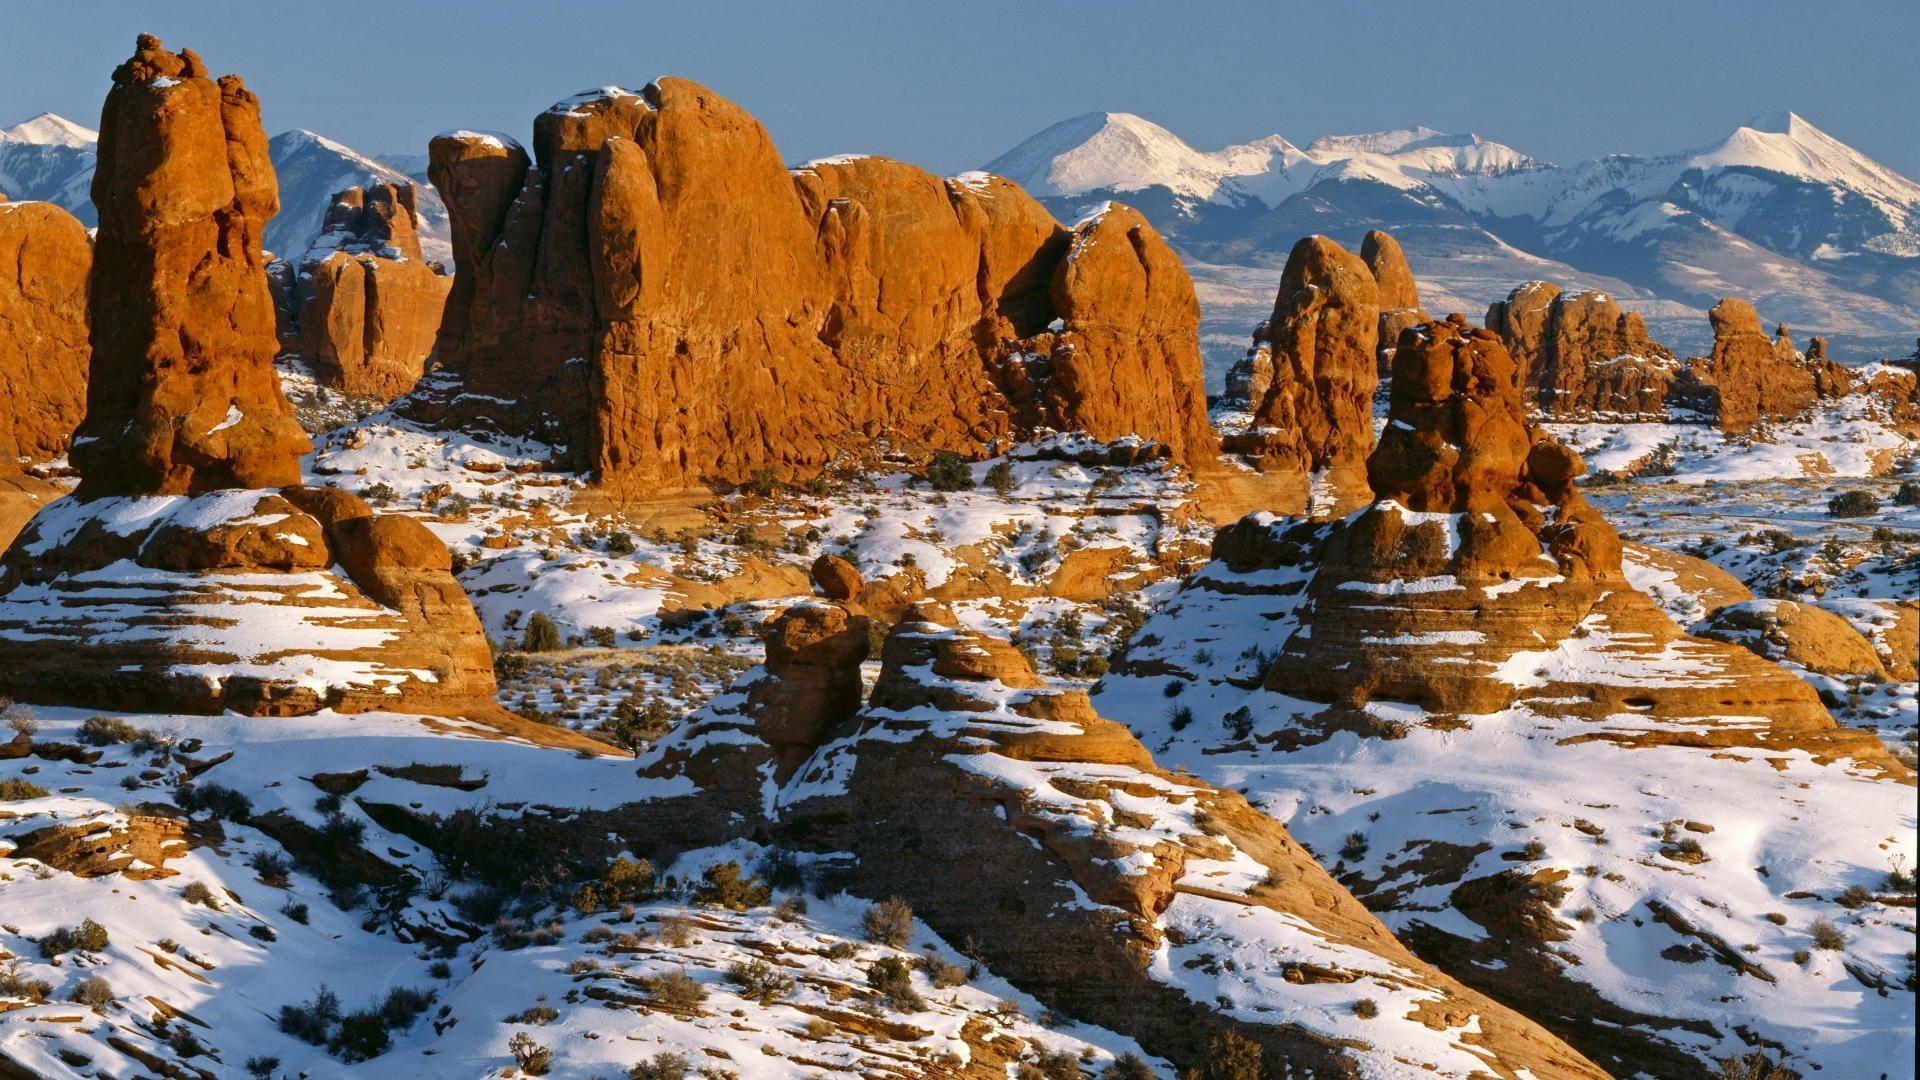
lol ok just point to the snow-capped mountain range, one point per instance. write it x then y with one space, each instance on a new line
50 157
1816 233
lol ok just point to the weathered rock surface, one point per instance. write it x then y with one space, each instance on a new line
189 573
1579 356
1795 633
362 305
182 396
1399 296
1110 889
44 260
1749 378
1316 416
1497 584
657 291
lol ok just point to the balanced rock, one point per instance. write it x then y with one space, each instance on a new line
836 578
1480 579
1317 414
656 290
190 572
1579 356
1399 296
1749 378
1102 884
363 306
44 260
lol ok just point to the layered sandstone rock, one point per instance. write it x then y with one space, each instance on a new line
1749 378
182 396
1492 582
1316 416
44 260
189 573
1112 890
1579 356
657 291
363 306
1800 634
1399 296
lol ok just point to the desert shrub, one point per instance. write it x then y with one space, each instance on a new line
309 1021
1826 935
1129 1066
108 730
295 911
676 991
1852 504
722 885
541 635
760 981
272 867
89 936
620 543
1908 493
1051 1065
539 1014
1179 716
19 787
763 481
894 979
1900 879
602 637
15 984
1535 849
1753 1066
1354 846
403 1005
218 800
262 1067
362 1036
1231 1056
1664 461
949 471
1239 722
623 881
92 990
197 892
1000 477
184 1042
942 974
262 932
661 1066
533 1058
1854 896
1366 1008
889 922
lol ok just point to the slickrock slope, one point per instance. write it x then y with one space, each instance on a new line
1316 416
44 259
1579 356
362 305
656 290
1750 378
1118 892
187 573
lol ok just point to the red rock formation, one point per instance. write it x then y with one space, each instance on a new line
364 305
1580 356
1102 884
1399 297
1480 579
182 396
1317 414
1749 378
44 260
177 578
660 293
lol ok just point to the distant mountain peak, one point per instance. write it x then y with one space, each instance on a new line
50 129
1780 122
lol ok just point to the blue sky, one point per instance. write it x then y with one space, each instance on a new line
950 85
